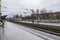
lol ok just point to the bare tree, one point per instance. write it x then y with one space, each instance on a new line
37 15
32 15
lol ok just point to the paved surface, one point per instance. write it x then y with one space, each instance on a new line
18 32
12 32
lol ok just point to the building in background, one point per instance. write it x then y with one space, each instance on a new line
16 18
48 16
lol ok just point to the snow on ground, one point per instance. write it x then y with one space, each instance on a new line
52 24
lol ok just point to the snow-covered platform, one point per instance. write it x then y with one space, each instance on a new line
51 24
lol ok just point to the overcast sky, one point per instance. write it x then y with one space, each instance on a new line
14 6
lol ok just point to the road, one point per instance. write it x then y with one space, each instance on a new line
14 31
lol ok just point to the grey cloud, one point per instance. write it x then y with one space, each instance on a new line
14 6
